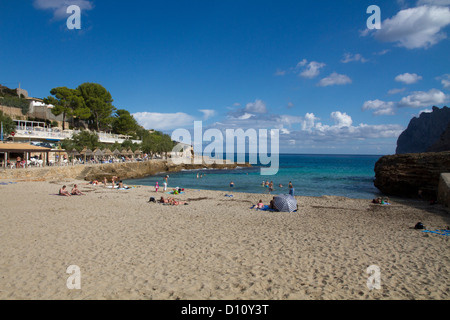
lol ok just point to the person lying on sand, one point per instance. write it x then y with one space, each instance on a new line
164 200
174 202
64 192
260 205
76 192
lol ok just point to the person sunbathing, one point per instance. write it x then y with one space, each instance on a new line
176 203
76 192
64 192
163 200
260 205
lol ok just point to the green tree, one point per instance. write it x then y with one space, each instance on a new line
67 102
8 124
16 102
99 102
81 140
124 123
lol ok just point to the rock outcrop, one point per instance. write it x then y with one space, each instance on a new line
443 144
405 174
424 131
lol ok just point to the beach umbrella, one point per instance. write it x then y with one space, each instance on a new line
97 152
83 152
107 152
74 152
116 152
124 152
285 203
89 152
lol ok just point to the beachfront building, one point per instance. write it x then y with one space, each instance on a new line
29 131
20 155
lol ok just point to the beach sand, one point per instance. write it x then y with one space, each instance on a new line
216 247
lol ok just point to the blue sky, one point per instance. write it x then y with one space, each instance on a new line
311 69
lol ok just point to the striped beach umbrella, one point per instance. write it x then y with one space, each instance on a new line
285 203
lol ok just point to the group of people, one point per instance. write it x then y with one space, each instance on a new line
75 191
166 179
270 187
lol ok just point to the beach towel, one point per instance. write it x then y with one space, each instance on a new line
228 195
171 192
266 208
442 232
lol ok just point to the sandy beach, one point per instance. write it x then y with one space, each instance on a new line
215 247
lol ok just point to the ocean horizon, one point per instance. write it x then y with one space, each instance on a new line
314 175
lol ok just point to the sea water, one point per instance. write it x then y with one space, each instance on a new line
311 175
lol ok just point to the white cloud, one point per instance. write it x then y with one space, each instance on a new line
445 81
341 119
59 7
308 122
434 2
395 91
425 111
207 113
258 106
382 52
163 121
280 72
348 57
420 99
334 79
312 69
290 105
412 28
408 78
302 63
380 107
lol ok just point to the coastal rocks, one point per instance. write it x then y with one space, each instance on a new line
134 170
424 131
444 189
126 170
405 174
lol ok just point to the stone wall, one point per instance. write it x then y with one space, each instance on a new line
127 170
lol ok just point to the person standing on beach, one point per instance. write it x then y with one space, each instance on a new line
165 182
156 186
291 189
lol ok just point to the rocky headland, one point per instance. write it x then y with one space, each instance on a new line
405 174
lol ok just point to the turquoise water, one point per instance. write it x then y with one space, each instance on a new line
312 175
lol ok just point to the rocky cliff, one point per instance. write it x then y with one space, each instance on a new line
424 131
443 144
405 174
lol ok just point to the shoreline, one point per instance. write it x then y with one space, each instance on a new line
216 247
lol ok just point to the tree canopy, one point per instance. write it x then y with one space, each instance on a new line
67 102
8 124
99 101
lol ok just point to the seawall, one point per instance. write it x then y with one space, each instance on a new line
125 170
